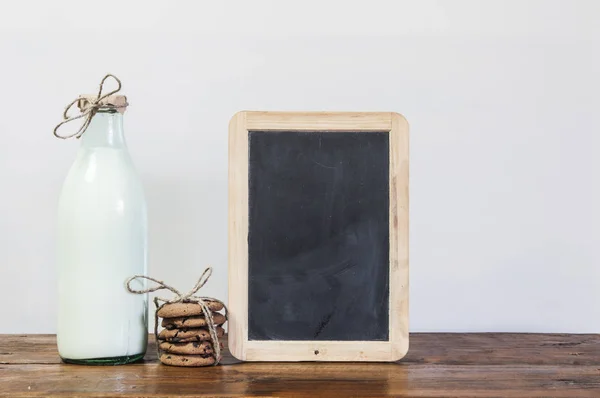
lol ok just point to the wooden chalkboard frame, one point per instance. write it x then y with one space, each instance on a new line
251 350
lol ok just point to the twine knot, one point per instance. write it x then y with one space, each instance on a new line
93 104
189 297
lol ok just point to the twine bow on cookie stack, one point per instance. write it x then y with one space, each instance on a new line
205 304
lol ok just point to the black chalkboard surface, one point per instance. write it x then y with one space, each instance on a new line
318 236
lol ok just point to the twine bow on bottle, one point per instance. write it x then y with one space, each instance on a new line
93 104
189 297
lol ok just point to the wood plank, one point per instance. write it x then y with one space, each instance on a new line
399 265
437 365
426 349
321 121
504 349
307 379
322 351
238 235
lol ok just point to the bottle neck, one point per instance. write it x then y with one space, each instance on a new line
105 130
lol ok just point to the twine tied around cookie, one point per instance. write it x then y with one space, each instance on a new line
189 297
94 104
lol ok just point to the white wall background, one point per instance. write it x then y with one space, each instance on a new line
503 98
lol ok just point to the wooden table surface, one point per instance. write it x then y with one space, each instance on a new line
438 365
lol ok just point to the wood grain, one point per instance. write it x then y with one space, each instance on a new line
321 121
438 365
398 182
238 235
241 346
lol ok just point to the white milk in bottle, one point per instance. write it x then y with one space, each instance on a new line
102 242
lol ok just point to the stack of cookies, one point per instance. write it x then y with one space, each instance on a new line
185 339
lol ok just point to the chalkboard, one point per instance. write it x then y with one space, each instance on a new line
318 229
318 236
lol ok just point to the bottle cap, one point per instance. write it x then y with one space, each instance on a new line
117 102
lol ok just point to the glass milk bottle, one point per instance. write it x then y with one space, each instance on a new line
101 242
